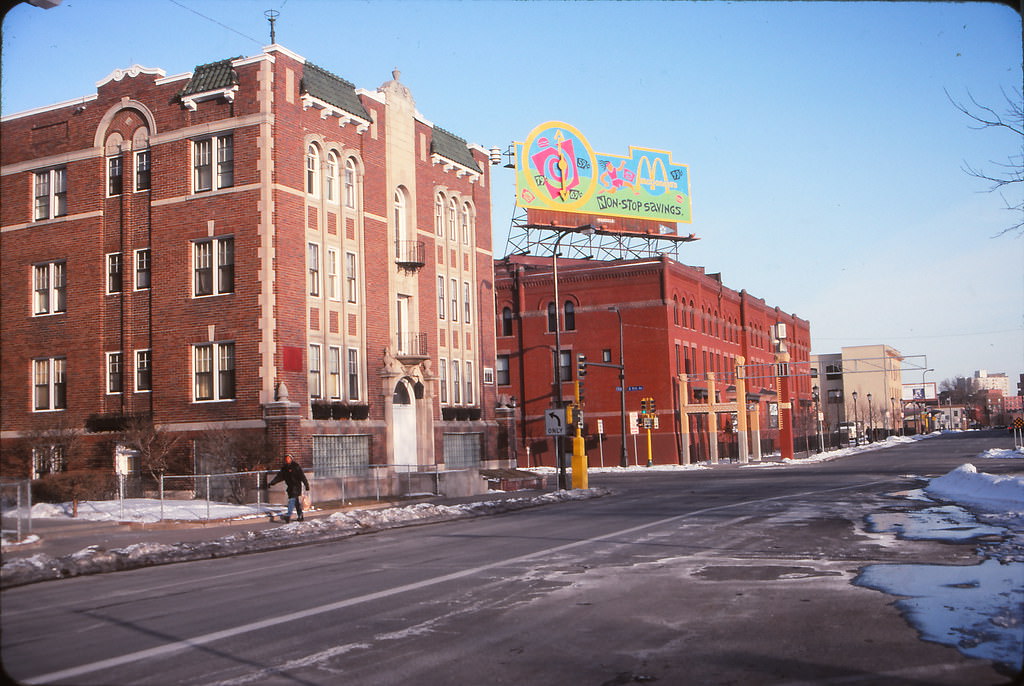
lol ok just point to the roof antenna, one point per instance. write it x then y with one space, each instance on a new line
272 16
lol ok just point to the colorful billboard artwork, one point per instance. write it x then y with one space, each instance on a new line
556 169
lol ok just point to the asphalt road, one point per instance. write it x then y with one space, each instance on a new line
726 576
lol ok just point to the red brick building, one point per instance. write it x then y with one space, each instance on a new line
256 246
678 324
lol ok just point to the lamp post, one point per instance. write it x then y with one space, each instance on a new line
921 417
871 421
817 413
856 421
623 456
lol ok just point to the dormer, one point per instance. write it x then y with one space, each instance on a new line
210 82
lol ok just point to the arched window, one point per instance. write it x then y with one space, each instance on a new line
453 214
693 324
350 183
312 170
675 310
552 317
439 214
570 316
466 224
401 217
506 322
331 181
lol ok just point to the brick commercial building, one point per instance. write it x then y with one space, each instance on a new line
683 333
254 249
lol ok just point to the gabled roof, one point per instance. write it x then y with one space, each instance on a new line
448 145
323 85
211 77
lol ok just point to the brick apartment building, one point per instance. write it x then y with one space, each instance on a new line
678 323
256 247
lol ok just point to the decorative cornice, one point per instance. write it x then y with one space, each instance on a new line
132 71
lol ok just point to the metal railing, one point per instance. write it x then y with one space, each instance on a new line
16 506
236 488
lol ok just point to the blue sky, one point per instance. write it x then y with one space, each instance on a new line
825 157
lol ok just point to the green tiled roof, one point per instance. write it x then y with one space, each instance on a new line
448 145
324 85
211 77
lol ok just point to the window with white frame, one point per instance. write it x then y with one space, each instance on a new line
313 265
115 273
50 193
456 384
334 372
211 253
315 372
453 214
49 288
143 371
466 305
468 381
312 170
466 224
142 269
440 297
351 277
142 175
115 175
48 459
331 177
442 380
49 380
504 377
350 183
454 295
115 372
353 374
333 285
213 371
213 163
439 215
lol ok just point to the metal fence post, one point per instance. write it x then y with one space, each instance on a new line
161 497
207 497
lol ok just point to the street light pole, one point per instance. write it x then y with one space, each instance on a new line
871 421
623 456
817 413
856 421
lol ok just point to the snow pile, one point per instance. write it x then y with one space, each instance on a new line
148 510
1003 454
984 492
94 560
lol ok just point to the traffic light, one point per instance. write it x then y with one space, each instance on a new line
568 414
580 397
643 406
640 421
653 408
581 365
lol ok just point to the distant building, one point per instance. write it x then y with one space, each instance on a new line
256 247
983 381
677 323
861 390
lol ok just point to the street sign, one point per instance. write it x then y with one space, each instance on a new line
633 428
634 388
600 426
554 422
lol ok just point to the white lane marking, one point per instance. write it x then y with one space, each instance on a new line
177 646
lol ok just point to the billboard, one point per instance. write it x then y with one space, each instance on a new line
919 392
557 170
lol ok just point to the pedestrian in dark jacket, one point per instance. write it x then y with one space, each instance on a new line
293 477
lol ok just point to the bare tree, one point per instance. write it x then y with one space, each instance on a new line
154 444
1006 173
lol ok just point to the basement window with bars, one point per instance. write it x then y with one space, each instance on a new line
341 455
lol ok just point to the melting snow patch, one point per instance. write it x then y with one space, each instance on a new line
985 492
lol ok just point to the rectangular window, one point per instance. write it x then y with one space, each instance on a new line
115 379
503 371
454 295
314 269
334 372
469 383
51 193
315 371
142 272
115 278
48 459
219 251
351 277
465 302
341 455
565 368
143 370
333 287
440 297
115 175
442 380
835 396
456 384
210 174
142 178
50 384
213 371
49 288
353 374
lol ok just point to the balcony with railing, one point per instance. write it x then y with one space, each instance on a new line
410 254
412 346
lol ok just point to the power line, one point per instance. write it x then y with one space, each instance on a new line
910 338
222 25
